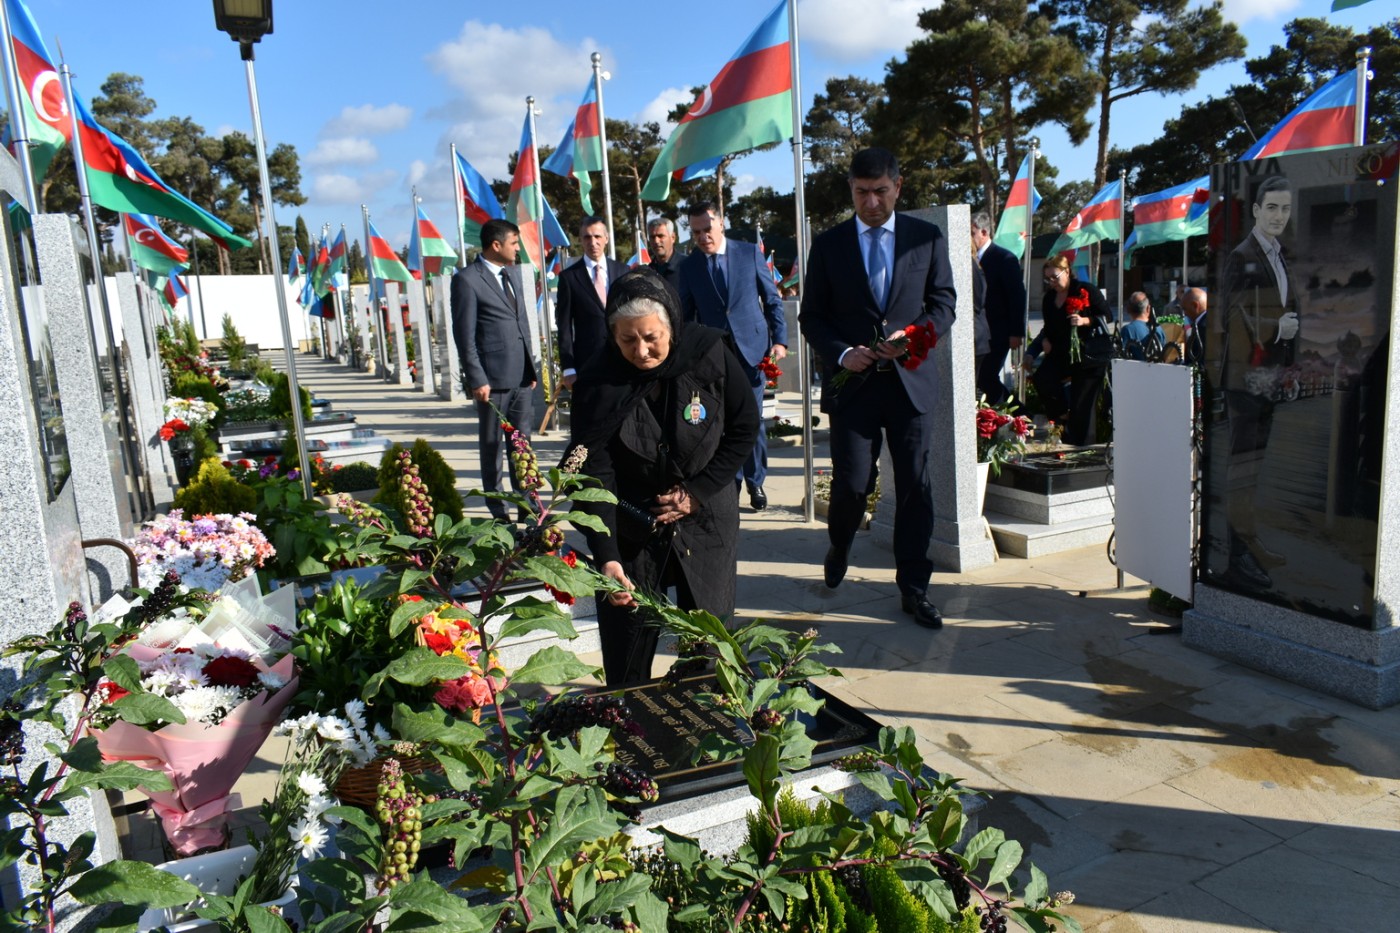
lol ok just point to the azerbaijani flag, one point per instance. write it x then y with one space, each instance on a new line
384 262
174 289
768 261
296 266
1346 4
479 202
525 194
320 266
428 252
641 256
1100 219
337 256
1325 120
45 109
1166 216
120 180
1011 228
149 246
581 149
748 104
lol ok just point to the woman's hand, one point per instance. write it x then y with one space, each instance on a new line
623 597
673 505
1078 320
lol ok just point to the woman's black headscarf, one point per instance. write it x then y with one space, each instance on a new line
610 387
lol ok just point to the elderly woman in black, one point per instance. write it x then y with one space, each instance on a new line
667 416
1069 304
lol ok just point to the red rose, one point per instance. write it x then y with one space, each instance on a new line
230 671
463 694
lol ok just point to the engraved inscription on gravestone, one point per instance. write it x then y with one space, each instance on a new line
673 721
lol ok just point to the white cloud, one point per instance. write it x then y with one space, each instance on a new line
224 129
367 120
489 110
662 104
741 185
1242 11
881 26
345 151
336 188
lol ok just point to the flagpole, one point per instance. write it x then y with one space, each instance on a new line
1363 56
598 75
134 451
799 199
1026 259
374 316
545 335
461 211
1122 236
19 123
198 281
426 367
1184 241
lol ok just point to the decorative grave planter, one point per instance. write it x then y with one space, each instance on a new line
213 873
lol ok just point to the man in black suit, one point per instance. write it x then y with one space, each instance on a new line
665 260
867 277
1260 302
725 284
1005 303
583 292
491 325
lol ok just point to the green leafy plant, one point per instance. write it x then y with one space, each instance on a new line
214 490
354 477
280 398
434 471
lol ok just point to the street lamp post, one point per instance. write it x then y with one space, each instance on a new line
246 22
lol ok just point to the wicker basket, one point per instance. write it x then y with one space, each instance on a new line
359 787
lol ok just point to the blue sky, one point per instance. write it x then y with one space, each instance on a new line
372 94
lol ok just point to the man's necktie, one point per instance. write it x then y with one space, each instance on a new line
717 273
879 271
1280 274
598 285
506 287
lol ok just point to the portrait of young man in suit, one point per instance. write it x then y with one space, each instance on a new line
725 284
875 274
491 326
583 292
1005 303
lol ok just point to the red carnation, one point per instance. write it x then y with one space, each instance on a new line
171 428
111 692
230 671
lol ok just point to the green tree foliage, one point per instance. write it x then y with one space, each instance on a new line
355 263
1137 46
1214 131
984 75
303 238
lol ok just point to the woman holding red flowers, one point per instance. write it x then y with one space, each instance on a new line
1068 383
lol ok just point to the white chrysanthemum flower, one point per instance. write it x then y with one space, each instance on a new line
355 712
272 680
159 682
332 729
311 836
311 784
201 704
318 804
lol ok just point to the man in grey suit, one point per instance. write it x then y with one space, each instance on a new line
583 293
492 329
874 275
725 284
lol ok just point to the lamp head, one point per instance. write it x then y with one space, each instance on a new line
245 21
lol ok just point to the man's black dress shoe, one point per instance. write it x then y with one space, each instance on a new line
834 567
758 498
924 612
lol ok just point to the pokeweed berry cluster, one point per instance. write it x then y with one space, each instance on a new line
568 714
861 761
693 656
623 780
523 460
161 600
992 920
765 719
399 809
574 462
417 504
11 735
956 881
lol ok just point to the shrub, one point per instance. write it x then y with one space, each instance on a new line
193 385
280 399
354 477
214 491
433 471
235 347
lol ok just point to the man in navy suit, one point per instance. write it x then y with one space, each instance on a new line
583 292
725 284
871 277
1005 304
491 326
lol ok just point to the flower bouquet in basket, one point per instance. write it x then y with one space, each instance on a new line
195 693
1001 435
